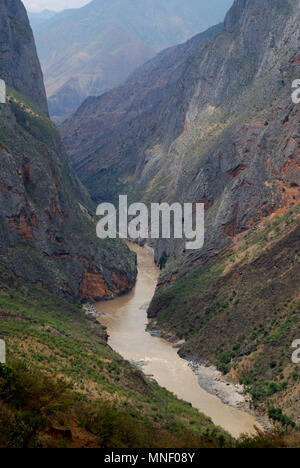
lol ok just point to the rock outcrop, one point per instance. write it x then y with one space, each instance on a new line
19 65
47 233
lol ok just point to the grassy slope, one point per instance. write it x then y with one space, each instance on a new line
241 312
57 341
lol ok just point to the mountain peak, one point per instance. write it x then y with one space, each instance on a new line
20 67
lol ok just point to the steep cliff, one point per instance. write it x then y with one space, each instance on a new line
218 130
19 65
237 306
47 235
107 135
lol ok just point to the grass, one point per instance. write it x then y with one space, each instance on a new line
240 311
59 344
39 411
31 118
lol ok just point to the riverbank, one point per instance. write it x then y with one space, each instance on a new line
126 320
234 395
91 310
212 381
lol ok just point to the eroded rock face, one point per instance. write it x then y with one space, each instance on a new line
47 234
107 135
46 237
220 129
19 64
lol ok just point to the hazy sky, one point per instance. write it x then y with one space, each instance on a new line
56 5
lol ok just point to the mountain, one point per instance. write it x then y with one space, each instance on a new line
224 132
105 159
87 51
105 135
19 65
47 234
36 19
62 385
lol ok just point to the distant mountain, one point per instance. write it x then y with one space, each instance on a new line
36 19
105 135
90 50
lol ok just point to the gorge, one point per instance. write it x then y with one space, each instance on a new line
212 121
179 354
126 321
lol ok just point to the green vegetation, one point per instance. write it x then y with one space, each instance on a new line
73 381
31 118
64 387
276 415
38 411
163 260
240 311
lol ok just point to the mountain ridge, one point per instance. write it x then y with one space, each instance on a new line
95 48
133 104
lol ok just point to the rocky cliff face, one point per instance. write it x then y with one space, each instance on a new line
47 235
219 131
19 65
107 135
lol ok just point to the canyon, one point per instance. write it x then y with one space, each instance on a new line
212 121
209 121
61 380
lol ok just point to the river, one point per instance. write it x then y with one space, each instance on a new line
126 319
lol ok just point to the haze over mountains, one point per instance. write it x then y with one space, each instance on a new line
89 50
36 19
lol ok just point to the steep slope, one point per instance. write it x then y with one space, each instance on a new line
64 387
240 311
241 307
227 135
87 51
19 65
106 134
47 235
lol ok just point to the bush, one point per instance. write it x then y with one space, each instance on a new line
163 260
277 415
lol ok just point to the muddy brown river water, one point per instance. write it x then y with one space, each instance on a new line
126 320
